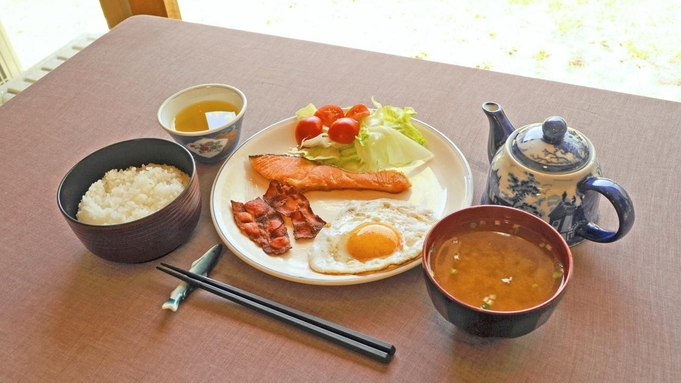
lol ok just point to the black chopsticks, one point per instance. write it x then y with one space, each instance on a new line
342 336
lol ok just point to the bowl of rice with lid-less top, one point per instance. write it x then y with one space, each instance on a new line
126 195
133 201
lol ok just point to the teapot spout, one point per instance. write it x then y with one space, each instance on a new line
500 128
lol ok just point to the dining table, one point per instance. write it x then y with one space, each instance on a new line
69 315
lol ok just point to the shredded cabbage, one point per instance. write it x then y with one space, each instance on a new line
306 111
387 139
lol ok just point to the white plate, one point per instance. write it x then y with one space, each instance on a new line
444 184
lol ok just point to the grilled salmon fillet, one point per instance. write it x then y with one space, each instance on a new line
306 175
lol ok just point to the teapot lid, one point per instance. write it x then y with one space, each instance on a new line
551 147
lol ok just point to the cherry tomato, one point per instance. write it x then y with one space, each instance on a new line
308 127
358 112
344 130
329 113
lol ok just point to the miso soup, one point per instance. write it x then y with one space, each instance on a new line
496 270
205 115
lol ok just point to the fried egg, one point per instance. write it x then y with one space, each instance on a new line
371 236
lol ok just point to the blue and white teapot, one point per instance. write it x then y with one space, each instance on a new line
551 171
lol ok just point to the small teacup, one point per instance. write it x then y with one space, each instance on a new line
210 134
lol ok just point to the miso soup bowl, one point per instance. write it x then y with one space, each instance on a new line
146 238
474 319
207 146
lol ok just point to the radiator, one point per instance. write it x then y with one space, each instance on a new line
10 86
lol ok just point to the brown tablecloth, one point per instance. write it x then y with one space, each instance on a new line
67 315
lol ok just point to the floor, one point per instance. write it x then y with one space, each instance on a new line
631 46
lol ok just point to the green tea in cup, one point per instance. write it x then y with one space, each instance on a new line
205 115
206 119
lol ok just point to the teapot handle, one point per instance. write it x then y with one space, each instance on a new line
619 199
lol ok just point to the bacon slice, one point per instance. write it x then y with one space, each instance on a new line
263 225
290 202
306 175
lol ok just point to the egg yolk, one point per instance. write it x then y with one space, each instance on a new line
372 240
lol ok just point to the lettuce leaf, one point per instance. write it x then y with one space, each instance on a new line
387 139
306 111
396 118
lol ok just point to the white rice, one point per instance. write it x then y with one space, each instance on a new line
130 194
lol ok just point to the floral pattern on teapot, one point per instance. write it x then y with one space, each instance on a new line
550 170
522 190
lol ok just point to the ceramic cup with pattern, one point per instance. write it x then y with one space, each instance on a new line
206 119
